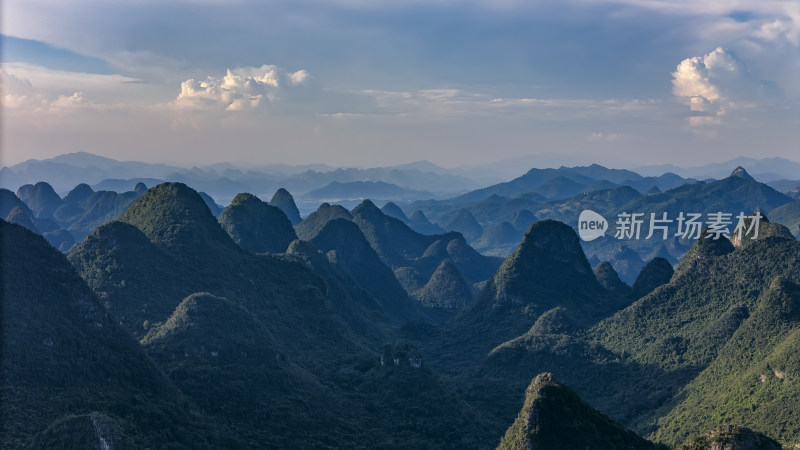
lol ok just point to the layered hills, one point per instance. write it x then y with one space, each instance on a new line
350 328
304 338
70 370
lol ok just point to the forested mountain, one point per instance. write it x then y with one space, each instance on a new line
297 351
170 326
284 201
553 416
72 377
257 226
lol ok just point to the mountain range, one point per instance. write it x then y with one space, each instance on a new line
764 169
178 323
224 181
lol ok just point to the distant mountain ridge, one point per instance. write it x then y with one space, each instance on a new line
359 190
224 181
566 182
764 169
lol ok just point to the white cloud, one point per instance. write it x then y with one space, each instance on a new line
19 94
298 77
707 84
786 26
241 89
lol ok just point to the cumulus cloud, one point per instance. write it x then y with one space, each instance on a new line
709 83
298 77
240 89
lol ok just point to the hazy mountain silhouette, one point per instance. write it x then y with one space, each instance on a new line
656 272
21 217
347 248
312 224
356 190
285 202
419 223
40 198
464 222
789 216
609 279
392 210
523 219
400 246
501 235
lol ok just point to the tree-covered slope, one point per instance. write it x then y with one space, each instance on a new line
753 381
312 224
257 226
345 246
685 326
548 269
656 272
99 208
336 392
446 290
63 355
554 417
608 278
219 354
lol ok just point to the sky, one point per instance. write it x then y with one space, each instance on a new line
365 83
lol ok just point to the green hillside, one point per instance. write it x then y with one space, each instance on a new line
257 226
318 380
554 417
312 224
67 363
345 247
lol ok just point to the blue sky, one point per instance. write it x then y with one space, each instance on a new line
352 82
